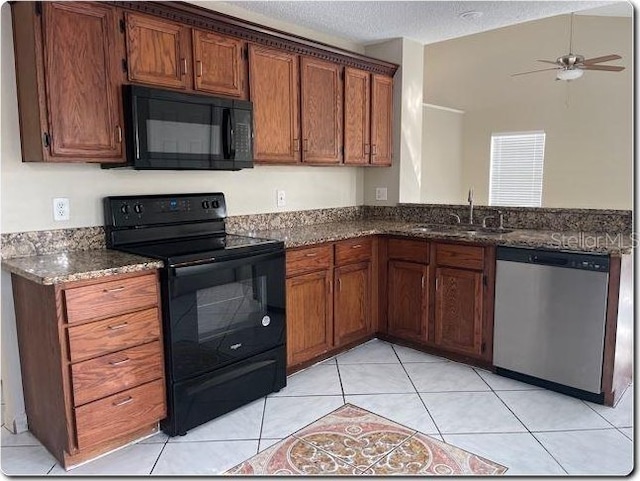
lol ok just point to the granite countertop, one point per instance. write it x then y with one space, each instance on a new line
77 265
91 264
592 242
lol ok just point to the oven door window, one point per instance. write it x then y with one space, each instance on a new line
224 312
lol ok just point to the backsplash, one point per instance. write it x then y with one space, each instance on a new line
576 220
288 220
31 243
41 242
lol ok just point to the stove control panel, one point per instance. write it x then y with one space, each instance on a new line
152 210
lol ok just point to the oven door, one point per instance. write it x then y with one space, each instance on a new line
224 311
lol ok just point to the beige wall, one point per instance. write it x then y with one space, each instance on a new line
27 189
403 179
588 122
441 155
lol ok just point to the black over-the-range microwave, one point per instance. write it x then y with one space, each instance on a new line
168 130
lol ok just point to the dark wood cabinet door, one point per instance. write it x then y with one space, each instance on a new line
381 119
352 306
219 66
309 316
157 51
273 85
408 293
83 99
321 105
458 311
357 121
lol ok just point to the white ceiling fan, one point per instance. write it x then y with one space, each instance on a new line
572 66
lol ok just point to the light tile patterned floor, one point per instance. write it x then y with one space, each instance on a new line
528 429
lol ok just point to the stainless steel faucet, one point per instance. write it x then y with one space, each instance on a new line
470 200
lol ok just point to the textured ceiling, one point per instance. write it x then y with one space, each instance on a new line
426 22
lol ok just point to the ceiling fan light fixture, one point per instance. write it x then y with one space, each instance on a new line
569 74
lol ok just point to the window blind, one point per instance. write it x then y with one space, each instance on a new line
517 160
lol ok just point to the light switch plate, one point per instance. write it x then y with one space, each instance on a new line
381 193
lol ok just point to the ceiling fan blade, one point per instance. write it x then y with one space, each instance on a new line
549 61
533 71
608 68
605 58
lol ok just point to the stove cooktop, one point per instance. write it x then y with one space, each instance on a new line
207 248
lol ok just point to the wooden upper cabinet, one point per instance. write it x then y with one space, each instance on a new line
218 64
68 92
321 88
274 85
357 122
157 51
459 311
381 119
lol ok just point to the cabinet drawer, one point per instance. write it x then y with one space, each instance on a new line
116 372
470 257
111 298
309 259
409 250
353 250
120 414
113 334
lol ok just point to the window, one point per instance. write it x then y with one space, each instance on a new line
517 159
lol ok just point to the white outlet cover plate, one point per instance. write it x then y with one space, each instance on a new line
381 193
281 199
60 208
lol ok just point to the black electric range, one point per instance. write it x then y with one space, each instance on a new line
223 302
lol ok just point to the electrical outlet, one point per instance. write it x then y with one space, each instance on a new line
381 193
281 199
61 208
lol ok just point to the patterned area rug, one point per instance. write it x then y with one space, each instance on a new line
353 441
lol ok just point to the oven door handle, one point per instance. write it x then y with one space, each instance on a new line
224 263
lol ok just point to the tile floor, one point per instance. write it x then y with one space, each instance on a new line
530 430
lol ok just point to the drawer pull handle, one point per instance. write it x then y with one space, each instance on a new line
184 66
127 400
198 68
115 289
117 363
311 255
118 326
357 246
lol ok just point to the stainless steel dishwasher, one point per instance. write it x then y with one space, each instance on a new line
550 309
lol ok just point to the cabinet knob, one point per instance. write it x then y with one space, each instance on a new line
296 145
118 134
198 68
374 149
184 66
306 145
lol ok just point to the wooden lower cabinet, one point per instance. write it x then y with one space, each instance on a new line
309 316
408 300
329 304
93 379
352 308
458 318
